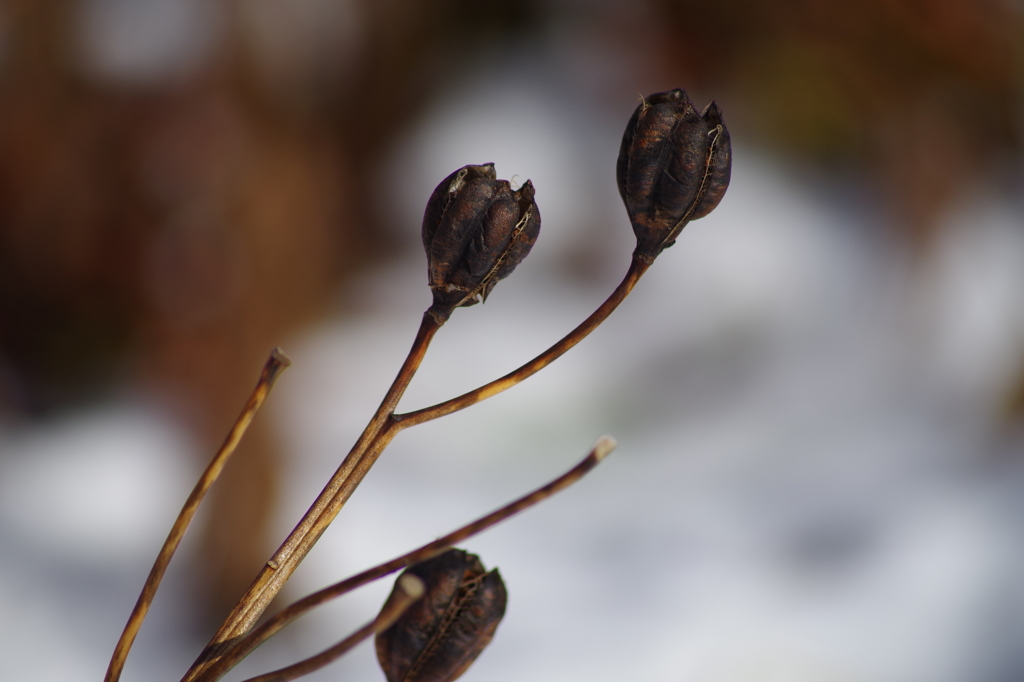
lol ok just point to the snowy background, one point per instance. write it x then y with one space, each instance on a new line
812 480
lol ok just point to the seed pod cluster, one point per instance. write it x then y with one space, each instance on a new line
439 636
476 230
673 167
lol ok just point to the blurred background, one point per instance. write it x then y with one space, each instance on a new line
818 393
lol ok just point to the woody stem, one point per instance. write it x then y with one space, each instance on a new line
636 269
278 621
275 364
409 590
375 437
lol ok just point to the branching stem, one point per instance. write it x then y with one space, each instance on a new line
411 589
276 623
636 269
383 427
280 567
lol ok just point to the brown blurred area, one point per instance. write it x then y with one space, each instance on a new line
924 95
920 100
166 227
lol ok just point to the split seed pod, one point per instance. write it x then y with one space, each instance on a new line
673 167
476 230
439 636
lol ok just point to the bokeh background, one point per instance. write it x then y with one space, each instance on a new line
818 393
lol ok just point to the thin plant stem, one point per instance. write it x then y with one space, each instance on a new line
286 559
637 268
384 426
411 589
277 622
275 364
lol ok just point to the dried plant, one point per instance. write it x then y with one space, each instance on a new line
673 167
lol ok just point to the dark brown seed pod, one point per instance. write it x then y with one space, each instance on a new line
439 637
673 167
476 230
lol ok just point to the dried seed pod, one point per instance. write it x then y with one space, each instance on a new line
476 230
440 635
673 167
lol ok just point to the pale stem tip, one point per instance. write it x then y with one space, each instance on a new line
281 356
604 446
412 586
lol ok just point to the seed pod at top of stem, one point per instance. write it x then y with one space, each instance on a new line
476 230
439 637
673 167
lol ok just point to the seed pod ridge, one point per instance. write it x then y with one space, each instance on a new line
673 167
476 230
439 637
